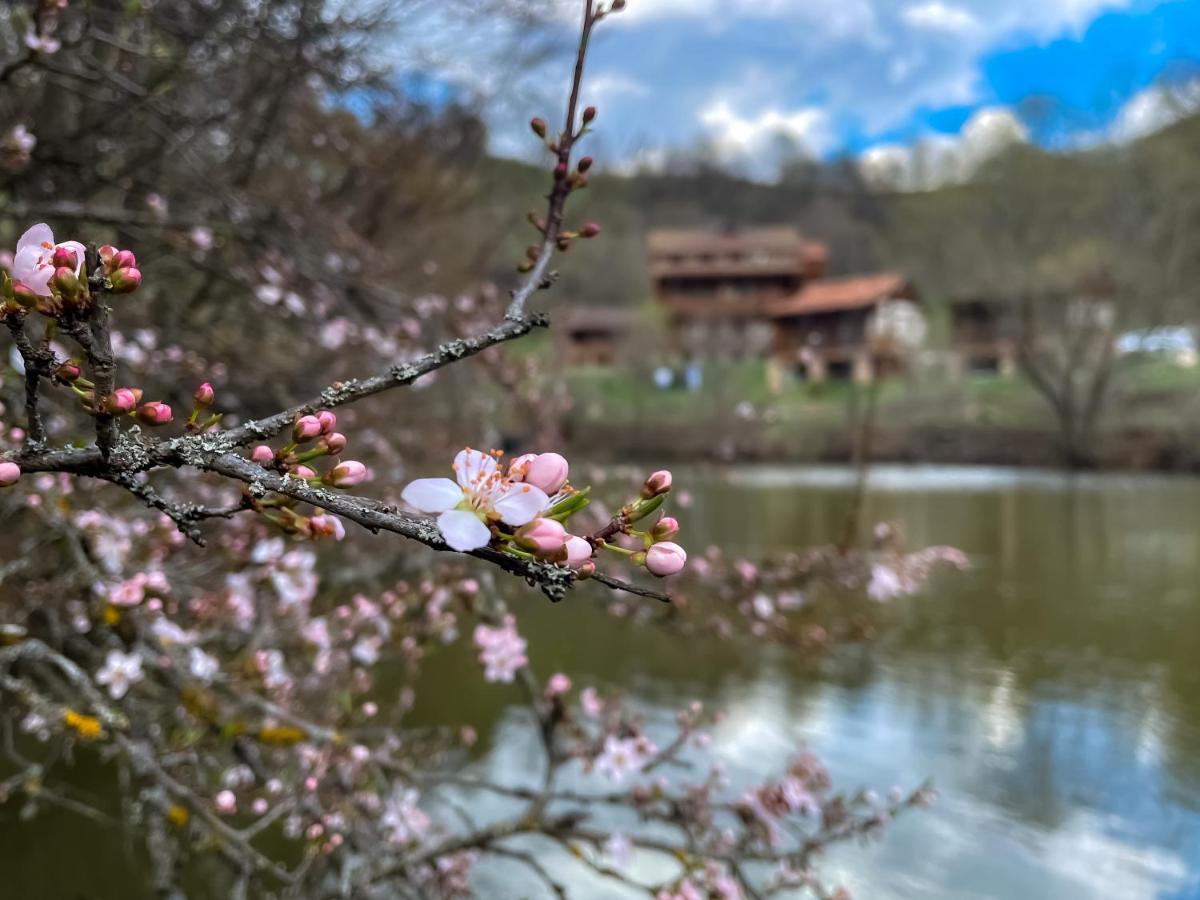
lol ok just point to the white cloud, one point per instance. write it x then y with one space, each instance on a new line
614 84
1154 109
758 141
940 17
944 159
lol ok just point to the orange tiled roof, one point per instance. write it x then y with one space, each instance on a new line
833 294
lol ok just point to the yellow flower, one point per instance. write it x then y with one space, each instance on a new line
112 616
88 727
177 815
281 735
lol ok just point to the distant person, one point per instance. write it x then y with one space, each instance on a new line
693 376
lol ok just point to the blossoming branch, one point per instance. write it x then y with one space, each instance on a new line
61 290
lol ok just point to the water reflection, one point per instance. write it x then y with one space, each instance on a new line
1052 693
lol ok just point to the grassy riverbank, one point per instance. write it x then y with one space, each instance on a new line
1149 422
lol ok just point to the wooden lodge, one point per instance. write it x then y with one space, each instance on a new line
765 292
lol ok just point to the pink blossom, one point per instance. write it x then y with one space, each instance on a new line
403 821
665 558
154 413
123 400
543 537
480 492
590 702
557 685
42 43
547 471
33 263
326 525
334 443
328 421
347 474
579 551
623 755
119 672
204 396
658 483
125 280
226 803
306 428
10 474
885 584
501 650
130 592
665 529
263 455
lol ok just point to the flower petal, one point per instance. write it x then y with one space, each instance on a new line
520 504
463 530
35 237
80 252
432 495
473 467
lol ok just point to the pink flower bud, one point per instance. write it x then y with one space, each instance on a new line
226 803
24 294
347 474
123 400
10 474
263 455
125 280
68 372
658 483
545 538
664 529
107 253
590 230
328 421
579 551
302 471
124 259
585 164
154 413
560 171
538 126
557 685
665 559
64 279
334 443
64 257
204 396
547 471
306 428
589 115
325 525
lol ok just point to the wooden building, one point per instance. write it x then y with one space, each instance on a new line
828 328
764 292
715 286
594 335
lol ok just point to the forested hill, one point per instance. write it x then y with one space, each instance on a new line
1029 221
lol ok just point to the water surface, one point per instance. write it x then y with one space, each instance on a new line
1052 693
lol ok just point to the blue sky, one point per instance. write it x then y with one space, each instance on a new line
873 78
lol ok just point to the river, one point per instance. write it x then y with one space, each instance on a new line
1052 693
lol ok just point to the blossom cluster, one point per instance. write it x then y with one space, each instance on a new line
523 509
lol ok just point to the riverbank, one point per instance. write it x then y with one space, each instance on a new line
1128 450
978 420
